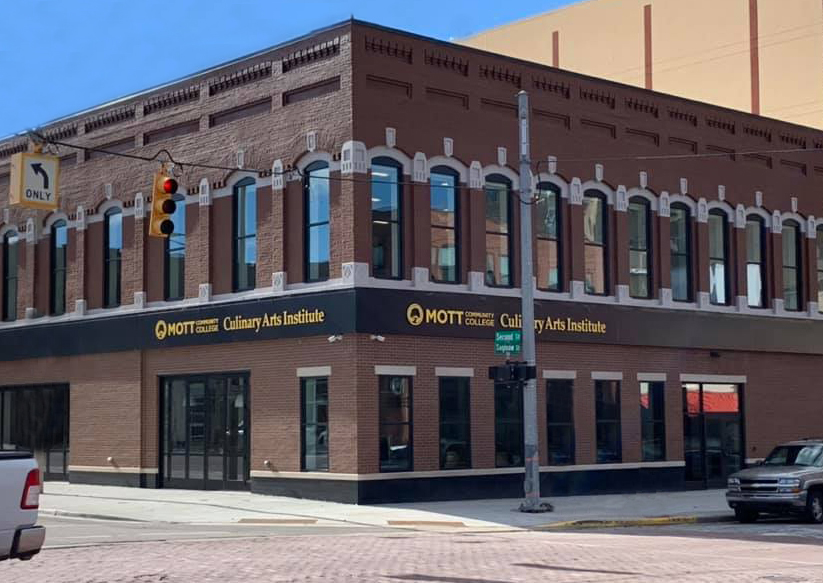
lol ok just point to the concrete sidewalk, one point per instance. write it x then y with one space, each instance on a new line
194 506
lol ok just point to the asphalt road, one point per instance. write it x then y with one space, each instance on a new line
71 532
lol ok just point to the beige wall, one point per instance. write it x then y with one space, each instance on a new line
700 49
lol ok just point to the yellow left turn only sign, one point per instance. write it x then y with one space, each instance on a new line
34 180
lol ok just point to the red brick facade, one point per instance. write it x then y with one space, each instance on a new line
355 92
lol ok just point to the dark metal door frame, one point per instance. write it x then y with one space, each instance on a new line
166 450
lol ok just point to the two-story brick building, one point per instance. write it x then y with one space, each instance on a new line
321 322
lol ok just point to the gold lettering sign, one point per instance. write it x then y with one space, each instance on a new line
164 329
417 314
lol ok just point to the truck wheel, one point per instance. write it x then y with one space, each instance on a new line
745 515
814 506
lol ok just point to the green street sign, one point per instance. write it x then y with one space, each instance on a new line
508 341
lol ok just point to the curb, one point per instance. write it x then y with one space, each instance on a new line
69 514
624 523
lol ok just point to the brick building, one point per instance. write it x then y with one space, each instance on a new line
321 322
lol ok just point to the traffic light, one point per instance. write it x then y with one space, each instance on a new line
162 205
512 373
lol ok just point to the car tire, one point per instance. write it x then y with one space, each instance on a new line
814 506
746 515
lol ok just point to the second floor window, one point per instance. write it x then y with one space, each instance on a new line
444 250
820 268
718 258
681 256
11 261
756 262
316 195
547 231
639 248
595 242
113 256
498 232
386 213
792 279
59 255
244 264
175 248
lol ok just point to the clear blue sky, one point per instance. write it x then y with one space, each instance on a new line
58 57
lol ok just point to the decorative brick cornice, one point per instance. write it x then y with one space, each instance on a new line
722 125
242 77
642 106
110 117
680 115
551 86
389 49
501 74
791 140
14 148
310 55
596 96
758 132
171 99
446 61
61 133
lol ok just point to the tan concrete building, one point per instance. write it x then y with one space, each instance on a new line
760 56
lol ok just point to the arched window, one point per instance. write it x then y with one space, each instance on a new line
756 261
113 254
681 252
444 219
244 266
11 260
175 253
498 231
718 257
792 269
316 201
820 268
59 257
386 218
547 231
596 242
640 273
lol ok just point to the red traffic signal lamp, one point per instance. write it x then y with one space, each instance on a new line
162 205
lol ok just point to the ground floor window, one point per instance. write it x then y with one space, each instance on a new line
36 418
395 423
508 425
712 432
314 397
607 413
455 423
560 420
652 421
205 439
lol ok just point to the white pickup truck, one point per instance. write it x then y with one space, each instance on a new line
20 488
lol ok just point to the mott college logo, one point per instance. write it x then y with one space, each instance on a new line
414 314
160 330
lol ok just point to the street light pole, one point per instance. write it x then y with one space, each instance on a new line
531 485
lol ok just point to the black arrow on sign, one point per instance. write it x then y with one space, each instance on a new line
38 169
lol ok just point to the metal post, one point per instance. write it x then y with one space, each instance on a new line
531 485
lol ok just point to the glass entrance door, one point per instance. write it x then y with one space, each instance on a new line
205 438
712 432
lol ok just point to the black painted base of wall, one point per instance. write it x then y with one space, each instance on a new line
114 479
612 481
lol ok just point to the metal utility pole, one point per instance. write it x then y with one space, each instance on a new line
531 485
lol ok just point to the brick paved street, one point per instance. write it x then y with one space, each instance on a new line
414 556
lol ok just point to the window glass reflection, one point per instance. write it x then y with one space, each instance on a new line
386 222
680 245
718 245
395 423
316 192
639 270
594 232
444 252
547 231
455 430
498 209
